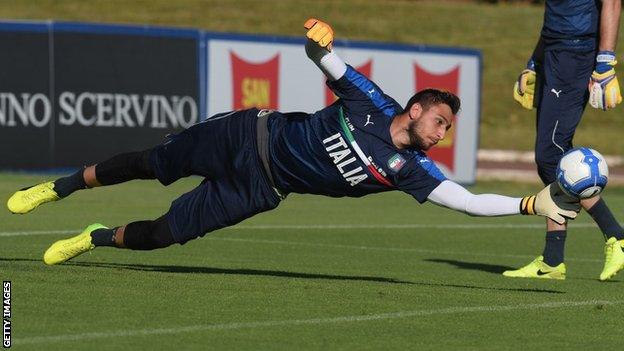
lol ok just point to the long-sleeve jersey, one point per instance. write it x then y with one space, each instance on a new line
346 148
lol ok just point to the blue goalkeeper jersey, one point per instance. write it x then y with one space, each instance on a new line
346 149
572 24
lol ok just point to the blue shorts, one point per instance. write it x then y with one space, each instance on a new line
223 149
564 76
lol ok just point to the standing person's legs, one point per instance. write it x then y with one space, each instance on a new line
563 76
562 102
560 126
563 99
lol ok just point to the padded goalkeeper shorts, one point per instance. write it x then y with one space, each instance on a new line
223 149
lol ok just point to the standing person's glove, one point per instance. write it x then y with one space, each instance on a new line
320 32
604 89
524 88
551 202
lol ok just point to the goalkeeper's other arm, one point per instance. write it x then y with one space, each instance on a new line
524 88
319 49
604 89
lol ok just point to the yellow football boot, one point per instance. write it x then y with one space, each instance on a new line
27 199
538 269
614 258
64 250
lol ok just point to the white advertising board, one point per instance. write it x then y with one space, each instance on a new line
269 72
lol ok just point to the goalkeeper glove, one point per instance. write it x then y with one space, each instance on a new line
604 89
551 202
320 32
524 88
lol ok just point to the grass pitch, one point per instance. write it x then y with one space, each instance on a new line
379 272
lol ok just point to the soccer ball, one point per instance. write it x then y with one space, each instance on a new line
582 172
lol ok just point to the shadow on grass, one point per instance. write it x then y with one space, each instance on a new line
237 271
484 267
213 270
268 273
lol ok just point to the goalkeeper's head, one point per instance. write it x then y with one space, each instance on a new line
426 118
429 97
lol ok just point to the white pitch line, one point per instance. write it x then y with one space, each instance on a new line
340 246
313 321
39 232
333 227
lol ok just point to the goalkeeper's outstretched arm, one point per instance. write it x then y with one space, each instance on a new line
319 49
551 202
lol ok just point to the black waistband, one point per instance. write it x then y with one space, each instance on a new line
262 138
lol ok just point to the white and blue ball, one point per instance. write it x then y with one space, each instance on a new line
582 172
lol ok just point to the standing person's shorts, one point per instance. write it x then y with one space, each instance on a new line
564 77
223 149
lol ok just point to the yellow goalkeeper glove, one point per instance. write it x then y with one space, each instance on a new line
320 32
551 202
524 88
604 89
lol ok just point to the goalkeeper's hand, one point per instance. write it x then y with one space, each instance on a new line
551 202
604 89
320 32
524 88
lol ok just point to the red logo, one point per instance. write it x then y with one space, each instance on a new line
254 84
365 69
444 151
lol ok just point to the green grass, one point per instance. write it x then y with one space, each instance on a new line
506 34
241 288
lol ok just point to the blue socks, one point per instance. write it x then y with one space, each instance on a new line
555 240
555 244
605 220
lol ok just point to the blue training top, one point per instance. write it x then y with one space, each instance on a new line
571 24
346 149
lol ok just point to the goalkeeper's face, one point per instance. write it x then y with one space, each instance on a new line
428 126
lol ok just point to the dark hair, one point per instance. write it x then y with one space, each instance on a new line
429 97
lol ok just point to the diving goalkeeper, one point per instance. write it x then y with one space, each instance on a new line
251 159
